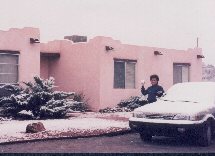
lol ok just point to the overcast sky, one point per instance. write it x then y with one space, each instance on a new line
160 23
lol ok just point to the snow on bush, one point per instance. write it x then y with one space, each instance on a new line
208 72
80 97
38 99
126 105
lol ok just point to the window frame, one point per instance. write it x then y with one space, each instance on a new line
182 65
125 61
13 53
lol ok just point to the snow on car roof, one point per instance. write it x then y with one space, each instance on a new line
192 91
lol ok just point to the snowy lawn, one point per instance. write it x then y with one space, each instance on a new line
84 124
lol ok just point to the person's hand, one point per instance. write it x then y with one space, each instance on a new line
142 82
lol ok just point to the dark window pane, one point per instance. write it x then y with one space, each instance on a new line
130 75
177 74
119 74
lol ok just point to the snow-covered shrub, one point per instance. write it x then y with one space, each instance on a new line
8 89
25 114
80 97
39 99
129 102
208 72
126 105
132 102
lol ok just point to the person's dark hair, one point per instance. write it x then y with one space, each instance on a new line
154 77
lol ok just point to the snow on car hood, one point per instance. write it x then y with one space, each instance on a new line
177 107
196 96
200 92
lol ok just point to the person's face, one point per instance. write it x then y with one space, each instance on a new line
154 81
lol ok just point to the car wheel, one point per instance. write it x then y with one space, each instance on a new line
145 136
206 135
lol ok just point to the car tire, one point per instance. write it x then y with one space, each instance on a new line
145 137
206 135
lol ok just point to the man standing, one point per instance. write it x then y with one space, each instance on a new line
152 91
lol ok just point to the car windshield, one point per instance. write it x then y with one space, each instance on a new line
191 92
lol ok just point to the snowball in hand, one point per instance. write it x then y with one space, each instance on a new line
142 82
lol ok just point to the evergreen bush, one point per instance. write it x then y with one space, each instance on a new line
126 105
37 100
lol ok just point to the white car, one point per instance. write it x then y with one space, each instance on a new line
186 109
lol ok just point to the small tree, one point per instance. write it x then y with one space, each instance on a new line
38 98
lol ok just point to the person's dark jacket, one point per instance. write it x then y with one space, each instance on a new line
152 92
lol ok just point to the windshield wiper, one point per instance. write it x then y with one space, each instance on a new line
167 100
178 100
187 101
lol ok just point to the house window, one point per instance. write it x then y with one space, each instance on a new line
8 68
124 73
180 73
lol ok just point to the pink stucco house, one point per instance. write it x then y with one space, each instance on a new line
105 70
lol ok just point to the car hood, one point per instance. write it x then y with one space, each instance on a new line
168 107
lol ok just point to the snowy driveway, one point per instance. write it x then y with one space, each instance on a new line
84 125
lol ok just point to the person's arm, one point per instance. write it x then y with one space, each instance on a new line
160 91
144 91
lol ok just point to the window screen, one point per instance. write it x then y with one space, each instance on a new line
119 74
180 73
124 74
130 75
8 68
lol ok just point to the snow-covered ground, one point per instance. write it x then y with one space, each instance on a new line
81 125
116 115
